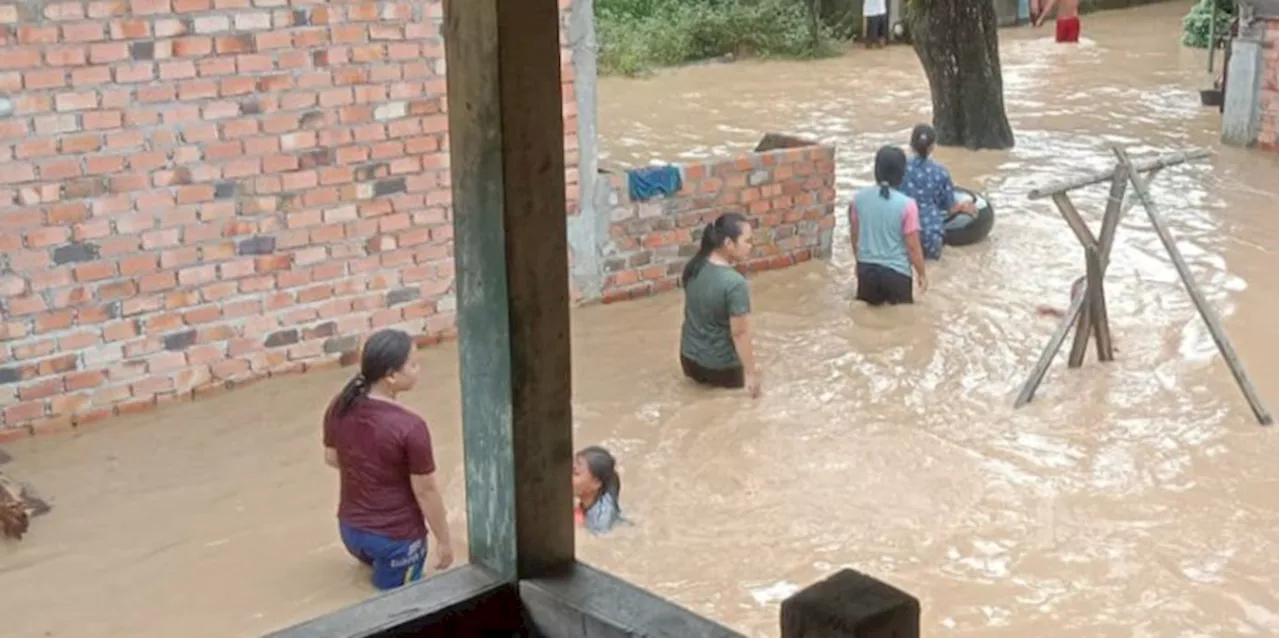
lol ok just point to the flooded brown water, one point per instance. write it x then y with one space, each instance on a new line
1132 499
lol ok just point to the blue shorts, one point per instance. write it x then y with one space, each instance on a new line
394 562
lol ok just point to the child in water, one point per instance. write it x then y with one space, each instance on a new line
1077 289
596 486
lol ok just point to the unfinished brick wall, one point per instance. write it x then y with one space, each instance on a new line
198 193
1267 129
789 194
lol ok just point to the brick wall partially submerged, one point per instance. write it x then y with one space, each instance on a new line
198 193
788 193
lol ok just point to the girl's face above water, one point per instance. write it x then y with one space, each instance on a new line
584 484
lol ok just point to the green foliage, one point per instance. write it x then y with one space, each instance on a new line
1195 25
638 35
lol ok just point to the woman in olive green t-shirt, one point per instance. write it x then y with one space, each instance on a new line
715 340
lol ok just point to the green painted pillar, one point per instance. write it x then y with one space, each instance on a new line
506 145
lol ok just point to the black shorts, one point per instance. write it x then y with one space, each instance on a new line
732 378
877 27
880 285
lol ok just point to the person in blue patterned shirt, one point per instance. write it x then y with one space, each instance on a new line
929 183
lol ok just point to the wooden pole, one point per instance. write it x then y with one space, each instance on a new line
1051 349
1080 342
1114 212
1098 305
1210 318
1146 166
1072 216
506 147
1213 28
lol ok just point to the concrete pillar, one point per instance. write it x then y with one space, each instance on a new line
506 145
1240 109
849 604
589 230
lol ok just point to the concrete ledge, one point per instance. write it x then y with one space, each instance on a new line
587 602
468 601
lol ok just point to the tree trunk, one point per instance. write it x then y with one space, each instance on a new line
958 45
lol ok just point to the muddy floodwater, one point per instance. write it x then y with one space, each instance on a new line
1137 498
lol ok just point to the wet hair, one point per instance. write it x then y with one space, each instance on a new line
891 167
922 138
385 352
726 226
604 468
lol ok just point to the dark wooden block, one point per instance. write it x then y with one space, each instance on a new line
850 604
775 141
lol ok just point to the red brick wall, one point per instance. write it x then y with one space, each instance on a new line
789 194
198 193
1267 131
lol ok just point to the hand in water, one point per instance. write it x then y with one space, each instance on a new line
753 385
923 281
444 556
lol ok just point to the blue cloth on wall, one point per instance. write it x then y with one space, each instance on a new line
650 182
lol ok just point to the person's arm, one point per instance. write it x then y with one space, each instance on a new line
431 502
853 228
740 328
422 478
330 452
1044 11
911 232
947 197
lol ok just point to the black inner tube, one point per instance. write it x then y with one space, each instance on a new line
964 229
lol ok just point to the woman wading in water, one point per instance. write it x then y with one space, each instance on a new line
388 472
884 228
715 340
929 184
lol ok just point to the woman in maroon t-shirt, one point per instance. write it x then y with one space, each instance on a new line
383 455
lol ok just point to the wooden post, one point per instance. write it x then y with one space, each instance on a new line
506 145
1041 368
1097 304
1080 342
1073 219
1210 318
1114 211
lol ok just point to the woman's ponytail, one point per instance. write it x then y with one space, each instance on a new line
710 240
891 167
385 353
727 227
356 388
922 138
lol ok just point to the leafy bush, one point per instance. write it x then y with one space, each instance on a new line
637 35
1195 25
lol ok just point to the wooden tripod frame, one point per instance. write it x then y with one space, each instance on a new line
1088 311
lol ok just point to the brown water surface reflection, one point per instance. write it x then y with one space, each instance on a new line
1132 499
